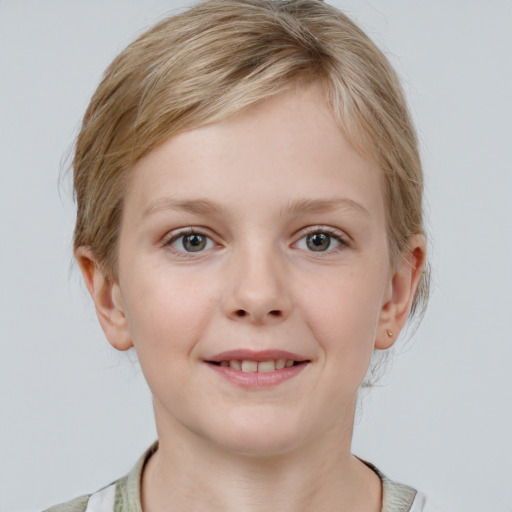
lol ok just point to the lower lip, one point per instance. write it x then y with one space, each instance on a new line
257 379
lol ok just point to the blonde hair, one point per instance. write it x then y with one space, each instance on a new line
219 57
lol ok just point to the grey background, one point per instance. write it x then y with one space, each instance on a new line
75 415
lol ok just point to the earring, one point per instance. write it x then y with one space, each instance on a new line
389 333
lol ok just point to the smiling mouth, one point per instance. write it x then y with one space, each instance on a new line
251 366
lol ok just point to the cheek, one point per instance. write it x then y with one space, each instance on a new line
343 312
166 314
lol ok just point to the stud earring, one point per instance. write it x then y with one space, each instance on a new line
389 333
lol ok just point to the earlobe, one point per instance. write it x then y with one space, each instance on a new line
401 292
107 299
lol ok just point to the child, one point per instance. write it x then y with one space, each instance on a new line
250 220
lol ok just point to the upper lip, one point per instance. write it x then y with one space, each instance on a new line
255 355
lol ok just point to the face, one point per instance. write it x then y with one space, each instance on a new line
245 246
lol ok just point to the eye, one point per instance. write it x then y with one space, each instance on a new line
191 241
321 240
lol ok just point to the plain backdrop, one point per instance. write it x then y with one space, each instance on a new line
75 415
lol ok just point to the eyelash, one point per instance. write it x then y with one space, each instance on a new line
174 237
331 233
340 238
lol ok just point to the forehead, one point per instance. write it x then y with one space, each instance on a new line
286 148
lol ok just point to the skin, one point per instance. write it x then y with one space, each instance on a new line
257 185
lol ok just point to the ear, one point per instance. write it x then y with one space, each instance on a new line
400 293
106 295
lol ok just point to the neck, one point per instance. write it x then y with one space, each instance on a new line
189 473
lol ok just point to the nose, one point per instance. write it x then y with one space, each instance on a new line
257 288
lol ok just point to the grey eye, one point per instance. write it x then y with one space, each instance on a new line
321 240
318 241
193 242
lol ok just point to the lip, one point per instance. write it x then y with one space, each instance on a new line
257 380
255 355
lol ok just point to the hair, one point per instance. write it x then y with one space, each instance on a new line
219 57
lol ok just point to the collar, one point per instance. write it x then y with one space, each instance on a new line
396 497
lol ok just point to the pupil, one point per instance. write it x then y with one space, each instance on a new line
193 243
318 241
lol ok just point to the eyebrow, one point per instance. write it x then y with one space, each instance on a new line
205 206
325 205
196 206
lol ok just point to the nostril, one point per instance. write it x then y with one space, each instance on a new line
242 313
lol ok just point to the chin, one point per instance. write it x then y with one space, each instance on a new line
259 438
259 447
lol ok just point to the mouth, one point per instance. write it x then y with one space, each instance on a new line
253 366
250 368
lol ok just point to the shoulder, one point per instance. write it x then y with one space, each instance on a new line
423 504
124 494
101 501
398 497
76 505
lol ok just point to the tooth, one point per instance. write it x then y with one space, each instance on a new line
266 366
249 366
289 362
224 363
280 363
234 364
